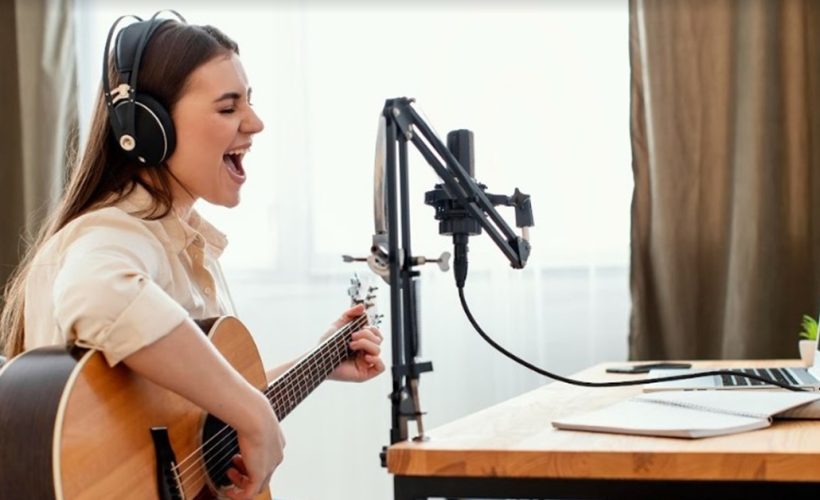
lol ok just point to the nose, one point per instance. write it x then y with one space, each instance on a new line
252 124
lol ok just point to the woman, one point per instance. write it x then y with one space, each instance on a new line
125 263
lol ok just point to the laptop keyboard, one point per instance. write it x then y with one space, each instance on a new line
778 374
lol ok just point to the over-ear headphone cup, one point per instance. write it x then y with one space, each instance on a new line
153 127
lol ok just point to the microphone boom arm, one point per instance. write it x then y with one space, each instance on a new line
459 184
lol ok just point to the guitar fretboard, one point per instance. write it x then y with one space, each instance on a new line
292 387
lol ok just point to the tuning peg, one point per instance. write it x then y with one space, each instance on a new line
349 258
443 261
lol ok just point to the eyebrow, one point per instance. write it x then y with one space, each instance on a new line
232 96
227 95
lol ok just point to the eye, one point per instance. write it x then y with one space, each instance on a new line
227 111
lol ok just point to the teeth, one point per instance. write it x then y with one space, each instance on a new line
241 151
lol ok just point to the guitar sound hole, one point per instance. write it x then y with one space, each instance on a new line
219 446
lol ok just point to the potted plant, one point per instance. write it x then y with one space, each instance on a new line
808 339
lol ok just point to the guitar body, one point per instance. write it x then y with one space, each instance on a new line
73 428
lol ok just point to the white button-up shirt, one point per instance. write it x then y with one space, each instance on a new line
113 281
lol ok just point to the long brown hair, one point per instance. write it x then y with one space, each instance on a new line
103 174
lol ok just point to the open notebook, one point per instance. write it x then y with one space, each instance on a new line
689 414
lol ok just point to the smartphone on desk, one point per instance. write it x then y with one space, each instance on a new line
645 367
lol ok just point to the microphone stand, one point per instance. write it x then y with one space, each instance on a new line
463 209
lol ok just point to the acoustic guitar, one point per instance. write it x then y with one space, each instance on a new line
72 428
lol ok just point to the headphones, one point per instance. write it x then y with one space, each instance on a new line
141 125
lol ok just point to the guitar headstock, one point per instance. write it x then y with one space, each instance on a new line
361 294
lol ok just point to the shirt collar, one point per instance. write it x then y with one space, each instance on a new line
181 233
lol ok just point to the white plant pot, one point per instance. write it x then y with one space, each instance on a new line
807 350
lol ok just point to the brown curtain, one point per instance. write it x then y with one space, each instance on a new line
11 182
726 156
39 127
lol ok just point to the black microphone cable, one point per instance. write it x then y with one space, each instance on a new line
583 383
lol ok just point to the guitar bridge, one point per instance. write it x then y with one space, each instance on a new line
169 486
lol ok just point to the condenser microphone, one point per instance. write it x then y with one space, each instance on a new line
460 143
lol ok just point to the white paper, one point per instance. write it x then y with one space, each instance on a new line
689 414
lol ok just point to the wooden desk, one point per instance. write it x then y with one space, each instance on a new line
512 451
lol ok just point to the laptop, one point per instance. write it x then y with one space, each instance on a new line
807 378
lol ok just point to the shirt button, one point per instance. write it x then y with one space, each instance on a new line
208 290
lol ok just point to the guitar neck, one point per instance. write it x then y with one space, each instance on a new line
293 386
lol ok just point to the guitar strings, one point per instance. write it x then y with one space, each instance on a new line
224 455
228 449
328 347
324 348
331 350
217 451
333 338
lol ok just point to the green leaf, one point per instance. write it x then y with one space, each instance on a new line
809 325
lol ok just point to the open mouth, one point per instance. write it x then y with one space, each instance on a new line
233 161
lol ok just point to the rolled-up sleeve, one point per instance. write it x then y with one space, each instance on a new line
106 294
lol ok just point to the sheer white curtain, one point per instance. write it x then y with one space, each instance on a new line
544 87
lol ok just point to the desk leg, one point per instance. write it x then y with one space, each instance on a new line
407 489
401 492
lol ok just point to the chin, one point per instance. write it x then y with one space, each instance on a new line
232 202
229 201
